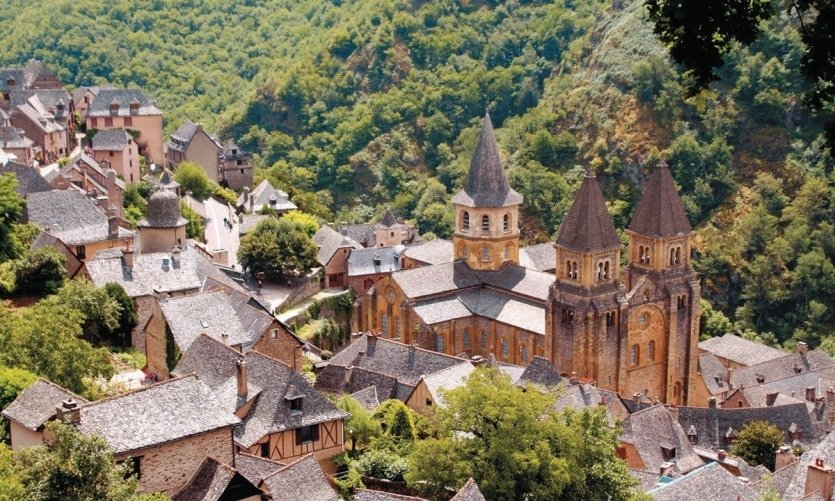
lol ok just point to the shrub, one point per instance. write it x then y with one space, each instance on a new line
382 464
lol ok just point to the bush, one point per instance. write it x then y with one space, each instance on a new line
40 273
382 464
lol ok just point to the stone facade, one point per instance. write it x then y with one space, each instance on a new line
149 127
278 343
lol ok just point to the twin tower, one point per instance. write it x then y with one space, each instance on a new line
632 329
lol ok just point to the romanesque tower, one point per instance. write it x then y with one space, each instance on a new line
487 209
663 319
586 298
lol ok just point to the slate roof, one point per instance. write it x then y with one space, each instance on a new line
542 372
166 180
100 106
519 280
269 382
715 374
436 251
163 210
430 280
13 138
70 216
708 482
11 73
780 479
263 194
303 479
740 350
435 311
330 241
660 213
255 468
35 68
404 362
36 404
588 225
49 100
38 115
209 482
580 395
504 308
209 313
469 492
361 261
654 428
712 424
46 239
487 184
824 450
367 397
369 495
540 257
75 164
447 379
110 140
149 272
362 233
156 414
29 179
780 368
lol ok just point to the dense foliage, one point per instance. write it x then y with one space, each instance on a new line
12 382
757 443
279 248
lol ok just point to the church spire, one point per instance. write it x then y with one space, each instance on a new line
487 184
588 226
660 213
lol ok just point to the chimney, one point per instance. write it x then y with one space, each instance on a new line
242 378
785 457
819 479
810 393
371 344
68 412
802 348
176 253
770 398
722 455
636 398
127 258
348 373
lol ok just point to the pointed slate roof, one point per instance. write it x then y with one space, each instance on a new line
388 219
588 225
487 184
660 213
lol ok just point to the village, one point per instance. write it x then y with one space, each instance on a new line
239 394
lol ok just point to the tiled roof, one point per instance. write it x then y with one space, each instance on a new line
429 280
34 69
209 313
487 184
330 241
269 380
654 428
660 213
69 215
163 210
780 479
709 482
714 374
362 261
156 414
255 468
367 397
580 395
100 107
150 273
75 164
110 140
469 492
542 372
209 482
15 74
302 480
436 251
740 350
13 138
50 100
540 257
514 278
29 179
780 368
504 308
36 405
588 225
447 379
38 115
362 233
385 386
263 194
368 495
434 311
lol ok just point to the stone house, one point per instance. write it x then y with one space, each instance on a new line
34 75
282 416
264 196
215 481
32 409
81 99
653 440
224 163
14 141
118 149
43 116
129 109
99 181
367 266
334 249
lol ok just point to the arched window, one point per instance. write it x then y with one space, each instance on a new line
397 327
505 348
483 341
574 273
384 324
606 270
440 343
466 339
485 254
651 351
600 271
506 222
465 224
640 253
634 355
485 223
678 255
568 269
525 355
507 252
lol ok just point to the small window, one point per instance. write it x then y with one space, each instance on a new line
397 327
307 434
128 121
682 302
242 171
274 333
94 122
610 318
384 323
440 343
507 252
240 162
506 223
651 351
465 224
428 402
296 405
81 252
265 450
525 355
567 316
505 348
108 122
485 254
485 223
466 339
634 355
483 340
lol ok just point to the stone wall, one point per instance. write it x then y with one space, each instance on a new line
278 343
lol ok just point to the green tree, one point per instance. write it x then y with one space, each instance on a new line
120 335
99 311
490 425
12 382
402 424
757 443
10 487
40 272
360 426
193 179
11 211
195 227
307 222
74 466
279 248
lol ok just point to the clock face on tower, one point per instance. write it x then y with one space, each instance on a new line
390 295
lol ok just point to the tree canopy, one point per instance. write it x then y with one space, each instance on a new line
193 179
757 443
279 248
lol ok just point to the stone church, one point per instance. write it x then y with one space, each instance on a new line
631 329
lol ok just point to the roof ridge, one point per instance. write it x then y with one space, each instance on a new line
380 338
141 389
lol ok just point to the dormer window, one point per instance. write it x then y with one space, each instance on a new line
668 452
295 405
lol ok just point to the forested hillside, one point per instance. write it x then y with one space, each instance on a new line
354 106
